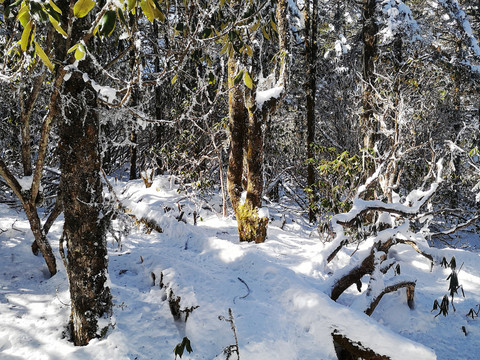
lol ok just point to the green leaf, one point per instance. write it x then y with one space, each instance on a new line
39 51
80 52
147 10
55 7
131 4
178 350
107 23
174 79
265 34
255 26
51 12
24 14
25 39
238 78
73 48
157 12
274 26
57 26
83 7
248 80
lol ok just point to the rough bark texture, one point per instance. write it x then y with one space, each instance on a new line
369 32
133 155
82 203
310 91
368 123
237 125
254 152
81 192
353 277
246 138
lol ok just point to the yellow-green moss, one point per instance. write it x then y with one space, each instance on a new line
250 226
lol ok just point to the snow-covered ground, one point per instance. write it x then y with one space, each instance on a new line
277 292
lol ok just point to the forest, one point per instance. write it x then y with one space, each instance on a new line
226 179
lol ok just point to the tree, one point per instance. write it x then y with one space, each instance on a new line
311 18
248 113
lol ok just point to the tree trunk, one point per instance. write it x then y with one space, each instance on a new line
310 90
134 103
237 126
369 32
133 155
81 192
41 243
252 227
82 204
246 140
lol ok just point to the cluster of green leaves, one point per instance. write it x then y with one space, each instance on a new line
237 40
29 14
338 177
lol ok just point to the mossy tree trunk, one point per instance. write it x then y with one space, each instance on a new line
252 227
237 127
246 122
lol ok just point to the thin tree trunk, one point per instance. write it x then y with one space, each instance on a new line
133 155
134 103
310 90
41 243
254 152
369 32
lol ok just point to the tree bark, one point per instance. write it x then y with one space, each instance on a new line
353 277
369 32
348 349
310 91
237 126
82 204
41 243
81 191
133 155
251 227
246 139
409 285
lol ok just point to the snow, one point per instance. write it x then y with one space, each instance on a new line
25 182
399 20
266 95
278 291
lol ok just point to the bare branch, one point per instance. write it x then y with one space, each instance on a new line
409 285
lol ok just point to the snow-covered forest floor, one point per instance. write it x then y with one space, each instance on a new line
277 292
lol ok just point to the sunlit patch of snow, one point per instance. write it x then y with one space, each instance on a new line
421 265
